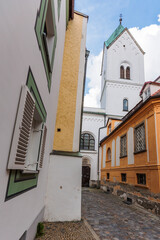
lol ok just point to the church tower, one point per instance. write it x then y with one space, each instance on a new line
122 73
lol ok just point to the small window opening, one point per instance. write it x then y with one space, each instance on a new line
123 177
108 176
141 179
58 129
125 104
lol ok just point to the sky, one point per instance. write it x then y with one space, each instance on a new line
141 17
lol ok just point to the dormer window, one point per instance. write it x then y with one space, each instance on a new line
121 72
147 93
128 73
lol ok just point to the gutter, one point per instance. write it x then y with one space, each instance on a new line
98 171
84 81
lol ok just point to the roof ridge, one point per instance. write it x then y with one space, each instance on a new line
114 35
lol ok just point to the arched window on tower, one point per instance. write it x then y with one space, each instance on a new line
125 104
121 72
87 142
128 73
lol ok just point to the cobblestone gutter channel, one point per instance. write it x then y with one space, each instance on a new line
136 195
68 231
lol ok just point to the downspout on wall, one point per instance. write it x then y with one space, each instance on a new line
84 81
98 170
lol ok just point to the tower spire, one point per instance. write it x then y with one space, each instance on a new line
120 18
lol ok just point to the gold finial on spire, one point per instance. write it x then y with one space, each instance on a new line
120 18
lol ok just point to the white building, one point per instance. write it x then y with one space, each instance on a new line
31 46
122 79
93 119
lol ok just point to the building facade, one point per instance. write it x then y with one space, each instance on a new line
65 166
122 78
32 47
122 73
93 119
130 164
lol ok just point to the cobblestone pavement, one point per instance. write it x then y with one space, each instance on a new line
66 231
112 219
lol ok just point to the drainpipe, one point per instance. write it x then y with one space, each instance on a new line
84 81
98 171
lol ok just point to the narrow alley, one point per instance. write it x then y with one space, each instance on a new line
112 219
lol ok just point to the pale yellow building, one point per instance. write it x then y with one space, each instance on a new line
64 180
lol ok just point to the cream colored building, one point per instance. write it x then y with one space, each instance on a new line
65 165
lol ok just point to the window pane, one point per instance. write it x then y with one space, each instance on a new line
88 142
140 138
125 105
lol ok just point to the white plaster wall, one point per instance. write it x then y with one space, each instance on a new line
103 132
146 125
93 159
130 144
115 89
91 122
130 54
63 201
113 154
118 151
19 49
116 92
104 156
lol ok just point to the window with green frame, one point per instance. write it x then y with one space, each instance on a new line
21 180
46 33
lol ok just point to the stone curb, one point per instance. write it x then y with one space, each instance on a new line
90 229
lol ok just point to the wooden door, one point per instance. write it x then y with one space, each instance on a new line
85 176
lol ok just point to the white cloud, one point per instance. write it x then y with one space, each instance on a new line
148 38
93 73
158 17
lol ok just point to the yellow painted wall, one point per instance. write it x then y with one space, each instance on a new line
113 123
63 140
141 164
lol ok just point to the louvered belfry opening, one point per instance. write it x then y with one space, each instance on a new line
121 72
128 73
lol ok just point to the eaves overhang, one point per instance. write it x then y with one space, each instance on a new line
130 114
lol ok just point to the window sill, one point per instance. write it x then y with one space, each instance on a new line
29 171
108 161
125 110
108 180
88 151
123 156
140 151
141 186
